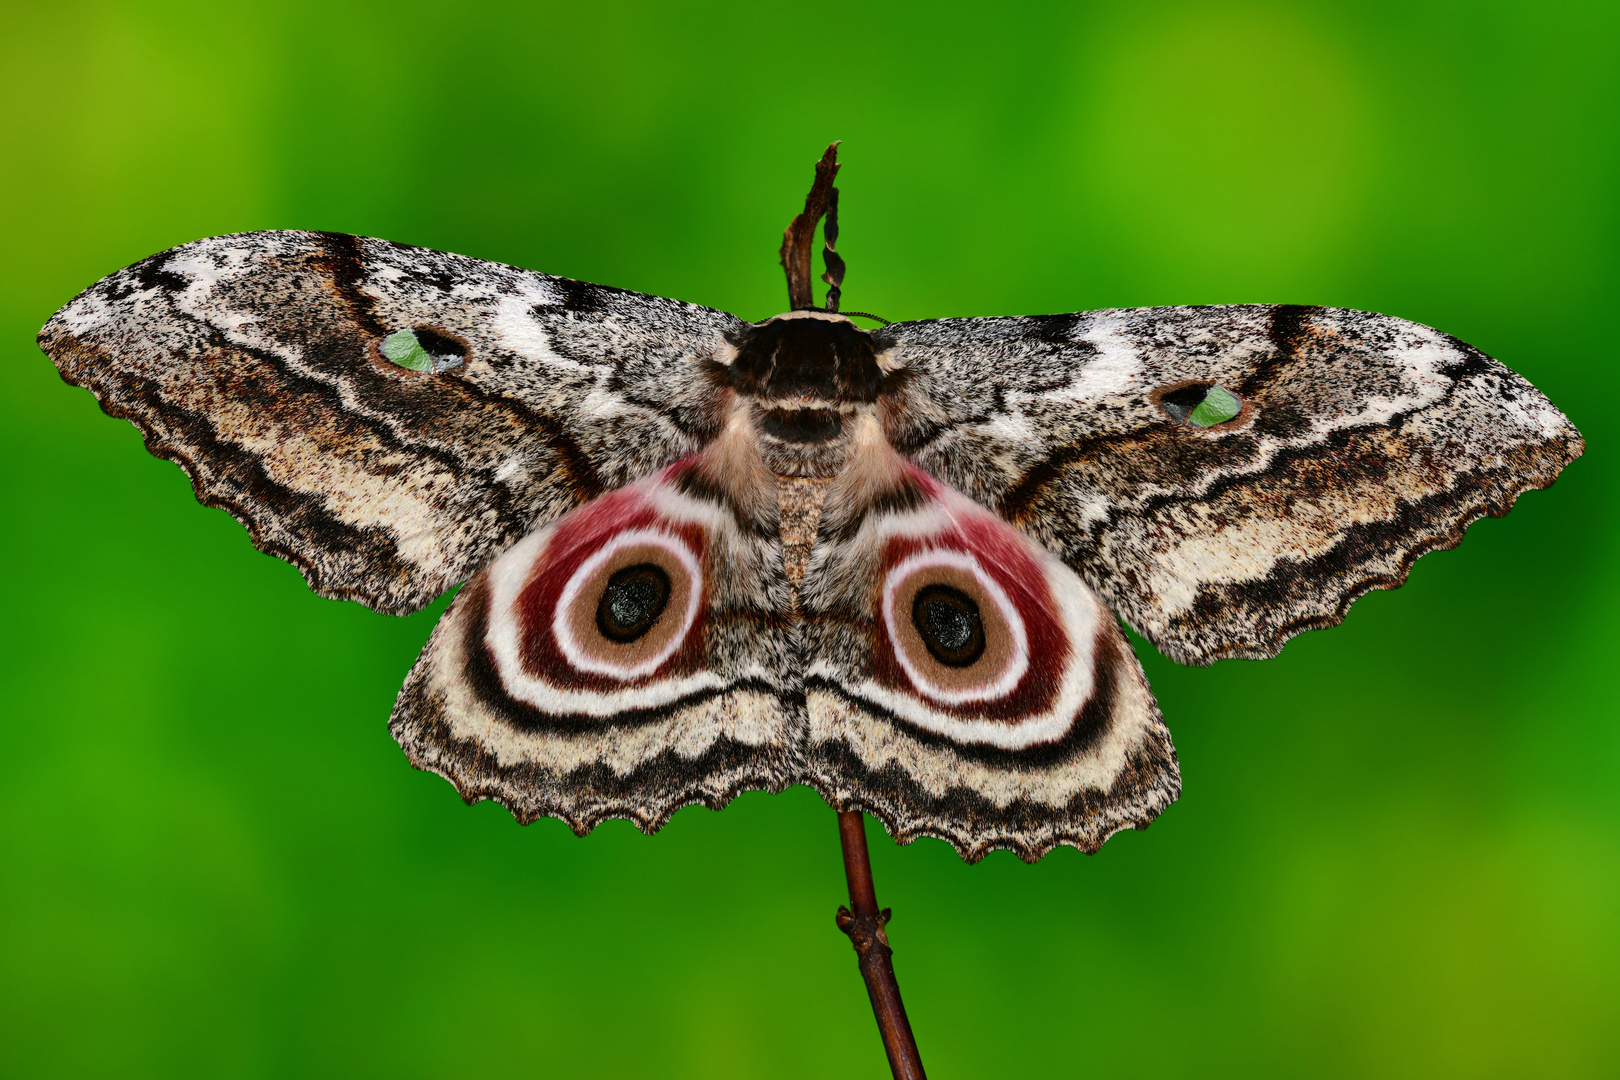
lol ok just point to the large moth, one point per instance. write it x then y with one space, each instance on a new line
702 555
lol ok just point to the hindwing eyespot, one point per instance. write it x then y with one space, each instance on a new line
953 629
629 607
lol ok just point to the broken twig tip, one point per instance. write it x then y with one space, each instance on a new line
798 236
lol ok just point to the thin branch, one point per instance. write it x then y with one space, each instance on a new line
797 237
862 920
864 923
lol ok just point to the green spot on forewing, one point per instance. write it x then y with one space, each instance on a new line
1218 406
402 348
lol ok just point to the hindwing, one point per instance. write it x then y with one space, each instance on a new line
630 658
961 682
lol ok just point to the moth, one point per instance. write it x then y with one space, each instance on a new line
703 555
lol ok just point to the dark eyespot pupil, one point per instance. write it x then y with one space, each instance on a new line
949 624
948 621
632 602
447 350
629 605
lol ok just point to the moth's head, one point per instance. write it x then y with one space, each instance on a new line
807 354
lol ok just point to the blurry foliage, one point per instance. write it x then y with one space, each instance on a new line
1398 853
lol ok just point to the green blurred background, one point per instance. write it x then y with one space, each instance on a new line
1398 853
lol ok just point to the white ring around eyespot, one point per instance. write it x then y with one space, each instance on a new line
560 628
1017 663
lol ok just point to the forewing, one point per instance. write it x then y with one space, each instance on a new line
1364 441
527 694
260 364
1038 731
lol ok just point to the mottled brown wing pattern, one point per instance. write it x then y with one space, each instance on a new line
1364 441
254 361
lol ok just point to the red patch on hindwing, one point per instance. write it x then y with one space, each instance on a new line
578 537
1002 556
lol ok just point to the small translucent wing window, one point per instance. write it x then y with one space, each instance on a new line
422 349
1201 405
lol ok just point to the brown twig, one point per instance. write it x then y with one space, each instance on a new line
862 920
797 237
864 923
